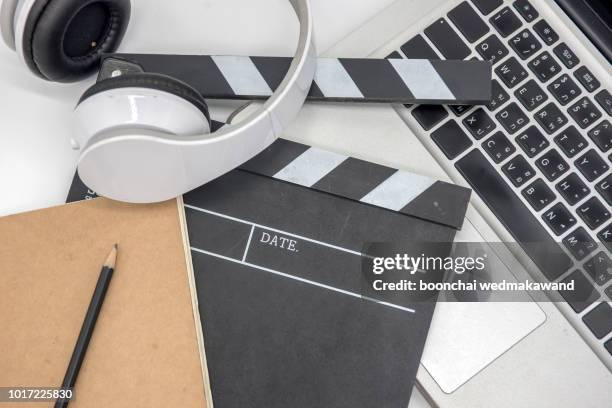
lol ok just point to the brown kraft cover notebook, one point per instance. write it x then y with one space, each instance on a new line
145 349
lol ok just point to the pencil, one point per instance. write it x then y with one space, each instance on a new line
87 328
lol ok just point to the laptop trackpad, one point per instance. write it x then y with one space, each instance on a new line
466 337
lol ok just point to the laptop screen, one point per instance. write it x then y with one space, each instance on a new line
594 18
603 9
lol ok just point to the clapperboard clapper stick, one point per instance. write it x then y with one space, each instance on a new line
403 81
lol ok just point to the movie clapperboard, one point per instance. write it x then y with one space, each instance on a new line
276 248
365 80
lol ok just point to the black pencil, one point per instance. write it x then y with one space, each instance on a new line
87 328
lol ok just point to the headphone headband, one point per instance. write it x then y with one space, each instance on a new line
150 166
7 13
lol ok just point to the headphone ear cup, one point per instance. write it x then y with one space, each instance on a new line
145 101
63 40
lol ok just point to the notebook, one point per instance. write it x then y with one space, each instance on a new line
145 350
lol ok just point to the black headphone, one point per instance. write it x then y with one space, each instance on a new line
63 40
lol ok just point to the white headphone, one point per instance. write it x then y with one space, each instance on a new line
144 137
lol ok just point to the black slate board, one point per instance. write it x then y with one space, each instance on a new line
284 325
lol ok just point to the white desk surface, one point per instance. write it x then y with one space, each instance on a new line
36 161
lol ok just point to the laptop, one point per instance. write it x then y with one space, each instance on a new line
539 159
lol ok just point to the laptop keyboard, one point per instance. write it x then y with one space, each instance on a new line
540 163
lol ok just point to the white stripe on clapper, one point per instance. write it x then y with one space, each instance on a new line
248 245
242 75
422 79
398 191
333 80
310 167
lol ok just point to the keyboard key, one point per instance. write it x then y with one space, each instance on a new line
559 219
429 116
538 194
605 100
601 135
531 95
513 214
487 6
587 79
511 72
605 237
532 141
593 213
526 10
417 48
571 141
394 55
459 110
564 89
552 165
599 268
479 123
505 22
599 320
498 147
551 118
492 49
572 189
584 293
546 33
499 96
584 112
567 56
609 342
579 243
591 165
604 188
451 139
544 66
518 171
512 118
446 40
525 44
468 22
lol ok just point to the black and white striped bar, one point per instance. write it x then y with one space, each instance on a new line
369 183
337 79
